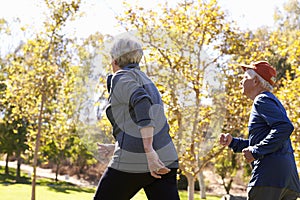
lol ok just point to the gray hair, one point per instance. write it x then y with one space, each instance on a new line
126 51
265 84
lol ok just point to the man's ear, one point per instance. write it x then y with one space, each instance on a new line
256 80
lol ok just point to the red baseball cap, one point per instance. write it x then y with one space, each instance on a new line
264 69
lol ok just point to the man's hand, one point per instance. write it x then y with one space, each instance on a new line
248 154
225 139
156 166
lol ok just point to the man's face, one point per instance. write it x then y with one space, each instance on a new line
247 84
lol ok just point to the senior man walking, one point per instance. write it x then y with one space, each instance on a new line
268 147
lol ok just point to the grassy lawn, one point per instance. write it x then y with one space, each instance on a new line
44 192
183 196
48 189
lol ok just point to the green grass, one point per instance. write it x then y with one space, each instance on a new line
23 191
183 196
47 189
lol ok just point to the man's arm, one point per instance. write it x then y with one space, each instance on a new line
281 127
236 144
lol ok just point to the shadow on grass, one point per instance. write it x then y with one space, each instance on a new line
11 177
59 186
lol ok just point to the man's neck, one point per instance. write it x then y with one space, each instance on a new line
257 91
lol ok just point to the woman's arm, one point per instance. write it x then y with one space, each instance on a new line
156 166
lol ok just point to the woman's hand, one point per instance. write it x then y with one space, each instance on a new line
106 150
156 166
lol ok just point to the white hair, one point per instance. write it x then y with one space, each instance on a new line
265 84
126 51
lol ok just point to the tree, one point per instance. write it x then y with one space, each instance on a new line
280 46
91 92
13 130
177 39
236 122
81 155
226 167
287 19
288 32
38 73
284 55
5 145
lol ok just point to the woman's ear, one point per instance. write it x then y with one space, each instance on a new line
115 66
114 62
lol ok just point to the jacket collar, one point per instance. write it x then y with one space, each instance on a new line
131 66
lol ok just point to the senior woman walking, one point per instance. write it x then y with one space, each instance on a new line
144 155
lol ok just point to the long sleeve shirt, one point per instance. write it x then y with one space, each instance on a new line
135 103
269 136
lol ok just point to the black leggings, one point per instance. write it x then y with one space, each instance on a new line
118 185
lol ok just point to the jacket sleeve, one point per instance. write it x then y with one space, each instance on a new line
238 144
129 91
280 126
141 103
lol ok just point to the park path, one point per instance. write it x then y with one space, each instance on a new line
47 173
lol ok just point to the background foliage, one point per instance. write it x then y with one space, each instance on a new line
48 84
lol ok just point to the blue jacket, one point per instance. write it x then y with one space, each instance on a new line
269 135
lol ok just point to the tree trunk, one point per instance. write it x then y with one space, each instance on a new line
227 186
56 172
6 165
191 186
19 162
37 146
202 185
18 155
